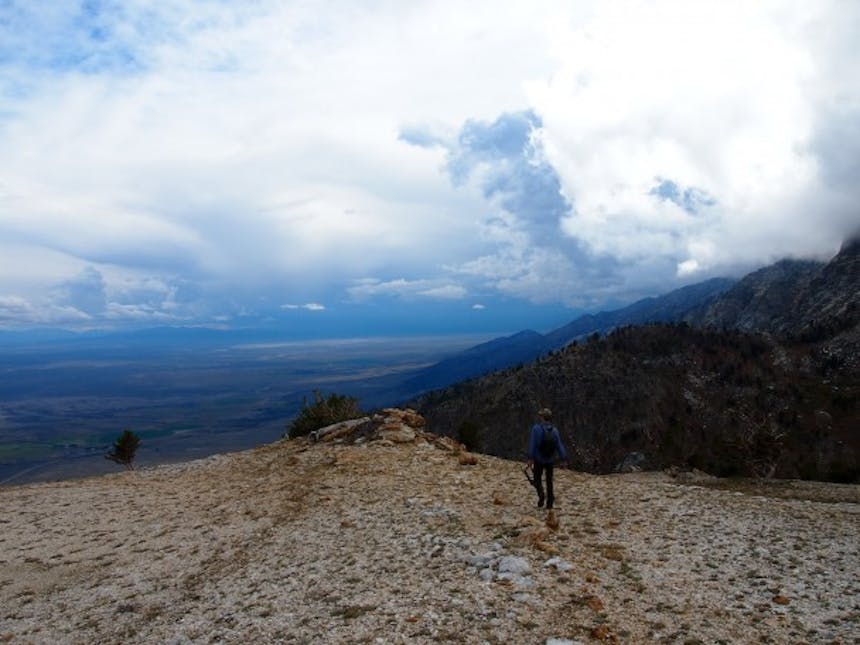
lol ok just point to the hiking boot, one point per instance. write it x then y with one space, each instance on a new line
540 502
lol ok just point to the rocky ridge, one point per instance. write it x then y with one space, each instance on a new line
794 300
364 533
762 380
726 402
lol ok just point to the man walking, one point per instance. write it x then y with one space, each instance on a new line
544 445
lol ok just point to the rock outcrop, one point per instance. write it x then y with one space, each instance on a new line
391 425
794 300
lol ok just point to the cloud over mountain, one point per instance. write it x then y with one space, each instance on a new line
213 161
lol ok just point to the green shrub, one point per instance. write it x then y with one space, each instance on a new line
124 449
323 412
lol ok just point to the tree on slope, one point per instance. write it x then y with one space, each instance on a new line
124 449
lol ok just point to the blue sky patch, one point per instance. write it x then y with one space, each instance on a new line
420 136
692 199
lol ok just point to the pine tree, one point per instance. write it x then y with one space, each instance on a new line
124 449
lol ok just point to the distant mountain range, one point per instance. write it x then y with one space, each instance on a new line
759 378
528 345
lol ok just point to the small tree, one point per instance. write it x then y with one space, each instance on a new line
323 412
124 449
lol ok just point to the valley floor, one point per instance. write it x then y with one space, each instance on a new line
318 543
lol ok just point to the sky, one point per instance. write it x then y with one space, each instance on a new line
427 166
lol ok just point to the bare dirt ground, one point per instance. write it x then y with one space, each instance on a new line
382 543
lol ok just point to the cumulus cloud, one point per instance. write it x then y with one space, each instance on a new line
232 145
732 135
511 169
199 157
527 255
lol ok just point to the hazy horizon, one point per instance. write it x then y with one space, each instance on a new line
62 404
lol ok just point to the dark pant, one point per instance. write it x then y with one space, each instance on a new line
540 469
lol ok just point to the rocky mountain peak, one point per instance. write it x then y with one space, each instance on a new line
799 300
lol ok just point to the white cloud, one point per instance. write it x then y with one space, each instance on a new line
478 307
201 156
688 267
247 145
11 306
116 311
719 96
310 306
16 310
445 292
407 289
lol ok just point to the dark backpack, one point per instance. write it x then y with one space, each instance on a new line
547 445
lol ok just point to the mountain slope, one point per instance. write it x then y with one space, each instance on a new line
332 543
729 403
793 299
526 346
486 357
759 301
669 307
767 383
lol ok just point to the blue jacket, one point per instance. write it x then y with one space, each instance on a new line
536 439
